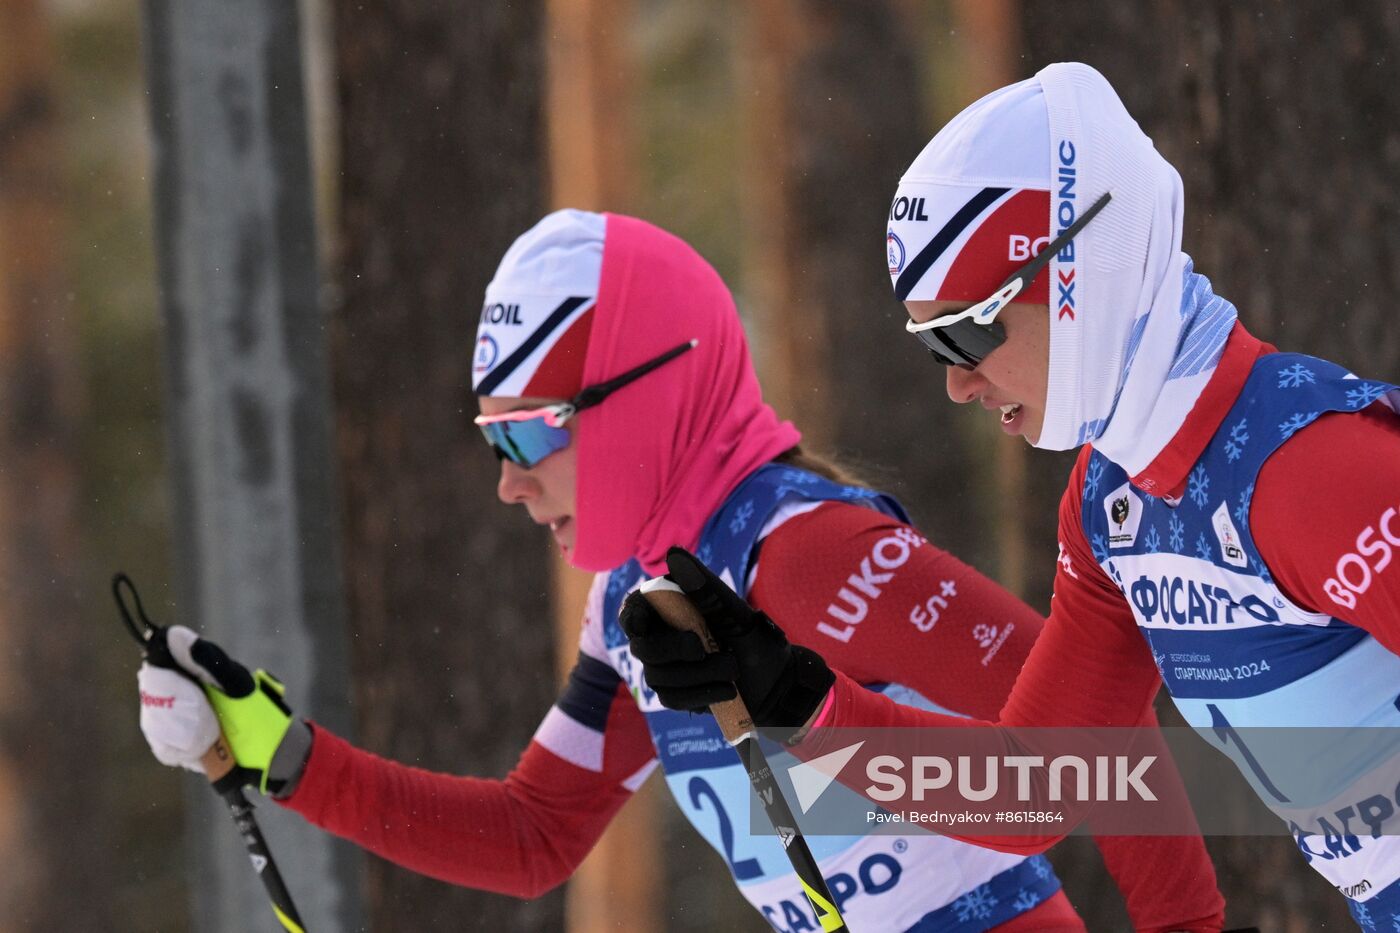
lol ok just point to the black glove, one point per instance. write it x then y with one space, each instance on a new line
781 684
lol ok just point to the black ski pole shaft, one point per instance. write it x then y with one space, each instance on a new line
261 857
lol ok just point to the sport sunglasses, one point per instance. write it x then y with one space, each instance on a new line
527 437
964 338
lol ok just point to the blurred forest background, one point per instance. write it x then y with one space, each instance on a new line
768 133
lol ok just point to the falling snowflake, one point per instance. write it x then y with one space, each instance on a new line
858 492
1294 376
1203 547
742 514
617 583
1198 486
1293 424
1395 922
1099 547
1362 915
975 904
1041 866
1025 900
1242 510
1091 479
1239 436
1364 394
705 554
1177 538
1154 540
800 477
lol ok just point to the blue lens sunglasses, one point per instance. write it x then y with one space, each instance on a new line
527 436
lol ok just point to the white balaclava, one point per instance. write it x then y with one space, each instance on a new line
1128 357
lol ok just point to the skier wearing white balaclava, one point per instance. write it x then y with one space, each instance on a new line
1230 527
1127 356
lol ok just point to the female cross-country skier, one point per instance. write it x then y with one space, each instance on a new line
616 387
1230 528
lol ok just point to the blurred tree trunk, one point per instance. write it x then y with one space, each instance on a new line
442 154
791 349
1285 126
592 166
835 116
50 787
247 405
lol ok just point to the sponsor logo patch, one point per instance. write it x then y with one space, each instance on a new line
1163 601
487 352
149 699
908 209
1355 570
1230 549
1065 213
500 313
862 588
1021 248
1124 509
894 249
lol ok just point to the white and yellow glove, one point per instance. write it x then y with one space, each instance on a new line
184 709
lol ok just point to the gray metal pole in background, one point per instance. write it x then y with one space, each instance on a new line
248 407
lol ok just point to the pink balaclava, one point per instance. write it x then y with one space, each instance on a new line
660 455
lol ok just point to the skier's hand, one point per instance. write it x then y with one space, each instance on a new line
180 725
176 718
782 684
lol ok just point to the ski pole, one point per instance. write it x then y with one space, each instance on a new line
740 732
218 762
